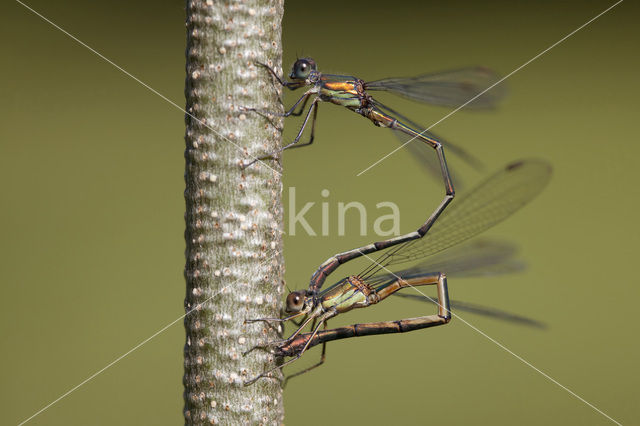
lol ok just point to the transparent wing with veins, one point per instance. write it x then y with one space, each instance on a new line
449 88
479 258
491 202
482 257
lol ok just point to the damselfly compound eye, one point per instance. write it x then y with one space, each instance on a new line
295 301
302 69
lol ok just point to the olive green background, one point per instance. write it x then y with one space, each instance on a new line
91 220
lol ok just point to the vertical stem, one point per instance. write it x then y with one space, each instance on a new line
233 217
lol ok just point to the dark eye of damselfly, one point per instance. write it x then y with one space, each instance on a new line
295 301
302 68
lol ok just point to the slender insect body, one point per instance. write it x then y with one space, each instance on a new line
449 88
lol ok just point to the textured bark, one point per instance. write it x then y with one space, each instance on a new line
234 262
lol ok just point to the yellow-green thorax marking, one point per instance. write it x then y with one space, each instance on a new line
349 294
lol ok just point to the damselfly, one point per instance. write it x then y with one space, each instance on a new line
489 203
454 88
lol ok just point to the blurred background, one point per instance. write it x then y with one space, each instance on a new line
91 177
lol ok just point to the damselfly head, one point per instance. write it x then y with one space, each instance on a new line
296 301
302 68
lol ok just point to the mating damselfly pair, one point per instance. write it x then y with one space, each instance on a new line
487 204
